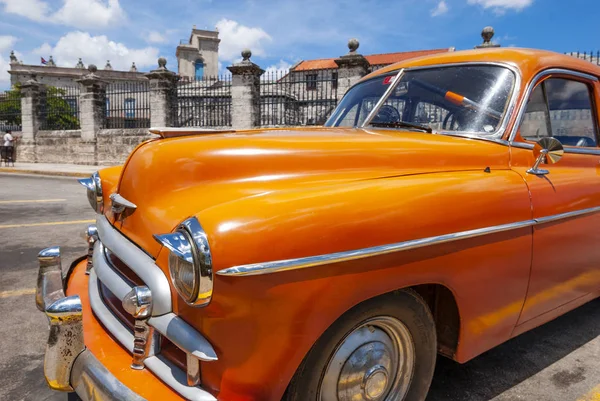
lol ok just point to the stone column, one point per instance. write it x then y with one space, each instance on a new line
163 97
245 92
351 68
31 103
33 95
92 105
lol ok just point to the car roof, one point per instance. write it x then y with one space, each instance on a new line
528 61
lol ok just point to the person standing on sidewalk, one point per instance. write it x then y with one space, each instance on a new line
9 147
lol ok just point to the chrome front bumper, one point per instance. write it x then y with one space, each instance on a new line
68 366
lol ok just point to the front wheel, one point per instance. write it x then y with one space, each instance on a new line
382 350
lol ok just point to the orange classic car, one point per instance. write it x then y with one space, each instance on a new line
450 203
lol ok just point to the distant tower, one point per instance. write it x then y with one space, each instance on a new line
200 56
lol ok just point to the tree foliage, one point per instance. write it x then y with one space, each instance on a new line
10 106
59 114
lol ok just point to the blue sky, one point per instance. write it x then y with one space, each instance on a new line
283 32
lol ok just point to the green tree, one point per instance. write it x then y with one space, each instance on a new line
59 113
10 106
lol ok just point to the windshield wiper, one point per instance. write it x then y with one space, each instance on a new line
401 124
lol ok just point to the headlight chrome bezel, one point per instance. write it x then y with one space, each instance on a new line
95 197
189 244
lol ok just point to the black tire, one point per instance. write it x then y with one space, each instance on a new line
409 308
73 397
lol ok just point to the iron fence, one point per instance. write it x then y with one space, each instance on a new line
59 109
203 103
128 105
10 110
592 57
297 97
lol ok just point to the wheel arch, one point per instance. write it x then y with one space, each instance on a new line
442 304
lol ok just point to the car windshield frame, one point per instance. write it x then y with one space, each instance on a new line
491 136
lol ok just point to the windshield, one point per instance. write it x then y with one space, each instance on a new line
463 98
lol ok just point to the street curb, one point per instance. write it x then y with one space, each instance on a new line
39 172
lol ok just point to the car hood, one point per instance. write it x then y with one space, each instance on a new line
172 179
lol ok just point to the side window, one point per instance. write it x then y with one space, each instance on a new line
561 108
571 115
535 120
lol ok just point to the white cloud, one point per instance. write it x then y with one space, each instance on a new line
6 43
235 37
75 13
36 10
441 8
502 5
277 69
96 50
89 13
156 37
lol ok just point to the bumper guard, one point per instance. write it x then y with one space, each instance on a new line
68 366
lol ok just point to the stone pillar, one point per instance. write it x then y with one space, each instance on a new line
92 105
351 68
163 97
245 92
31 104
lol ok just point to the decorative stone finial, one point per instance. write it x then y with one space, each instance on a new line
353 45
133 67
108 66
92 68
50 62
13 58
162 63
487 34
80 64
246 54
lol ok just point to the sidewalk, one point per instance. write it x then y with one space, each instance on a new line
67 170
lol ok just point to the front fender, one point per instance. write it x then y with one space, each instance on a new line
262 326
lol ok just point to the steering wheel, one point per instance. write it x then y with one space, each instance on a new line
387 114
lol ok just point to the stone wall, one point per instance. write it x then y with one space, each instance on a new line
114 145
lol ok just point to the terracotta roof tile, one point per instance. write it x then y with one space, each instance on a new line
374 59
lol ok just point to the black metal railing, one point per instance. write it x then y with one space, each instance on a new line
59 109
10 111
297 97
592 57
203 103
128 105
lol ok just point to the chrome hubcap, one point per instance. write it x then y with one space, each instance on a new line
374 362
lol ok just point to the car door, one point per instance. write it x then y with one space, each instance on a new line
566 199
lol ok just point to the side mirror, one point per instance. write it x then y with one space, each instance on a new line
547 150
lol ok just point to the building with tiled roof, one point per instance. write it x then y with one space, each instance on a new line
375 60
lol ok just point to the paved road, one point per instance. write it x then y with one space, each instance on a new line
556 362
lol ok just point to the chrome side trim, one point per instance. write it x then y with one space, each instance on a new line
138 261
532 85
567 215
310 261
183 336
93 382
176 379
300 263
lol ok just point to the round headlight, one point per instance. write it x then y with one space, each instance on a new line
190 262
94 191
